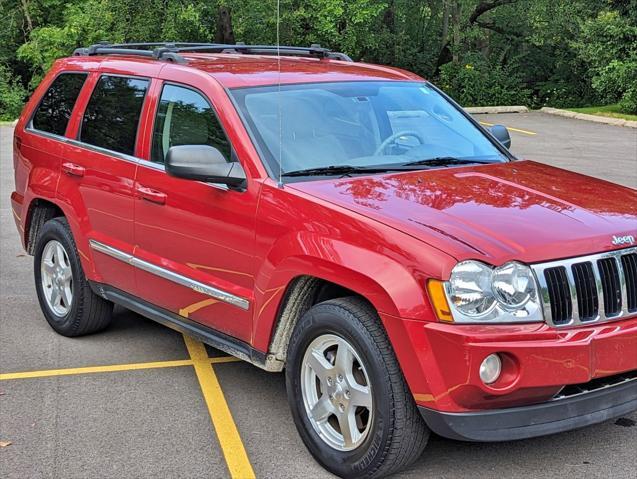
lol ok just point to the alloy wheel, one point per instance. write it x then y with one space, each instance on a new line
337 393
57 278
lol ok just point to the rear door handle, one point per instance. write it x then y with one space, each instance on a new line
73 169
151 195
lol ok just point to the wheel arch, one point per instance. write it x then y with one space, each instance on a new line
39 211
300 282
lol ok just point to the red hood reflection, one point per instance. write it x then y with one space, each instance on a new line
522 210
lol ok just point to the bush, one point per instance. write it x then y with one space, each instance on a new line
478 83
609 46
12 95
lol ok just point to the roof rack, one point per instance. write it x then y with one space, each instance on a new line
171 51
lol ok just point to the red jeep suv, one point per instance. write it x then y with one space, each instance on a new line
347 223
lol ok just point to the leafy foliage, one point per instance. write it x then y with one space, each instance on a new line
533 52
480 83
608 45
12 95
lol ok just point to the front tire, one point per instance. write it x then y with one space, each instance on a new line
66 299
347 393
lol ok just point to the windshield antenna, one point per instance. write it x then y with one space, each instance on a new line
278 57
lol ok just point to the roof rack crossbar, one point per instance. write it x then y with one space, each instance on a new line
170 50
313 50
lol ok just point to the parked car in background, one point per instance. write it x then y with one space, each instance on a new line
347 223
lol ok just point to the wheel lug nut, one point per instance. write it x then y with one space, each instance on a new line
341 407
347 394
340 377
329 381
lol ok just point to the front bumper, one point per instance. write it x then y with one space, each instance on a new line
538 361
523 422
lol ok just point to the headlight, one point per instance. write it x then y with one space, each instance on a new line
470 286
513 285
478 293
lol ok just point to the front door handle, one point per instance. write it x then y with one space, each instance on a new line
73 169
151 195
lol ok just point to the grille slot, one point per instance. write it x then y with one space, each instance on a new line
559 294
586 288
596 384
610 285
589 289
629 264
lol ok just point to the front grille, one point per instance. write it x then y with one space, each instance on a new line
589 289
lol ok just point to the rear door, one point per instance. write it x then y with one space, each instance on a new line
43 146
196 239
99 170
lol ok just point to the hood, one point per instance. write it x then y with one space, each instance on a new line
520 210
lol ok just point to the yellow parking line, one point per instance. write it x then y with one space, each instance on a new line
95 369
526 132
112 368
229 439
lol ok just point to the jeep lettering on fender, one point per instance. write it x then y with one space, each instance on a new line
347 223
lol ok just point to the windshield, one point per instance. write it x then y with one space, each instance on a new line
359 124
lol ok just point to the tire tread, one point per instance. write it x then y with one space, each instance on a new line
408 434
92 313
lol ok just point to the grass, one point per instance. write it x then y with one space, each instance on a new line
611 111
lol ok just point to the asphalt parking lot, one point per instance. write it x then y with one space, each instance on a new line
141 401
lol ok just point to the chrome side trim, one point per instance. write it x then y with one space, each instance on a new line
182 280
110 251
601 317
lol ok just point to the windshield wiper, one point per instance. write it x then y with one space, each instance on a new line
446 160
349 169
342 170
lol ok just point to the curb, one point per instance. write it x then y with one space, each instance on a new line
496 109
593 118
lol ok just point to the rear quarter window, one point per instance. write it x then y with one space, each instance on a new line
112 114
54 111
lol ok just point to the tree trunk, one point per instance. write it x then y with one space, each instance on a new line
224 33
27 16
455 21
445 22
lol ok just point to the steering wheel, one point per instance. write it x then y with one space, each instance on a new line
391 139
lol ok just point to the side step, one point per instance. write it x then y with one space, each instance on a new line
216 339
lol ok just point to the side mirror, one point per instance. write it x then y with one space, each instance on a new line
204 163
501 134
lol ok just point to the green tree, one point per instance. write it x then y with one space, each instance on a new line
608 44
536 52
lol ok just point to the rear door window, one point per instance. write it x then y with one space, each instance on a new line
112 114
54 111
185 117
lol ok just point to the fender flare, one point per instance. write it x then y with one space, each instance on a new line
390 287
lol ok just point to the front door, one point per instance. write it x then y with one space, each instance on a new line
194 240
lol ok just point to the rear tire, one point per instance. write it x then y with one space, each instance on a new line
66 299
391 431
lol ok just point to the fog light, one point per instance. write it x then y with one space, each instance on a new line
490 369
